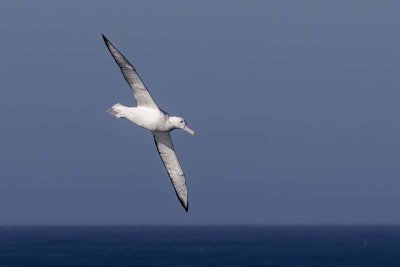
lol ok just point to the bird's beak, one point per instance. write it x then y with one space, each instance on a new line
187 129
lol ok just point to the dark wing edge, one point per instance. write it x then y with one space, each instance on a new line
131 76
169 144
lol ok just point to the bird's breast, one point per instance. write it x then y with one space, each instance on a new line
148 118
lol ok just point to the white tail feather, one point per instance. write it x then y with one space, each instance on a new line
116 110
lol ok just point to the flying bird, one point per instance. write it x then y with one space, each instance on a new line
149 116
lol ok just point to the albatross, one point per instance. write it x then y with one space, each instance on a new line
149 116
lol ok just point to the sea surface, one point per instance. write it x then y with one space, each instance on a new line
284 246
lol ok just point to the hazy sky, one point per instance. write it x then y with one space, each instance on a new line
296 105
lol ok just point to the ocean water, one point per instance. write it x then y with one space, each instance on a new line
325 246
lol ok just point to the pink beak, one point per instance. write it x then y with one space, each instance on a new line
187 129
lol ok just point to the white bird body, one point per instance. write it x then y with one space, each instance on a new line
149 116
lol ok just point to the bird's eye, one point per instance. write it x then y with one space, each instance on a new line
181 121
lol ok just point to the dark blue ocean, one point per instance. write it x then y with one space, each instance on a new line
283 246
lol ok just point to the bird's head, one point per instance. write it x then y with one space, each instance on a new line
180 123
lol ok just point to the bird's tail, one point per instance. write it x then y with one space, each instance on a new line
116 110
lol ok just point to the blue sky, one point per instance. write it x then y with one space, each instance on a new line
295 104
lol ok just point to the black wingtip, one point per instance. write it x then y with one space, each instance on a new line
105 38
186 207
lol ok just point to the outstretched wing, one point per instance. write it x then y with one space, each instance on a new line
140 92
168 156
